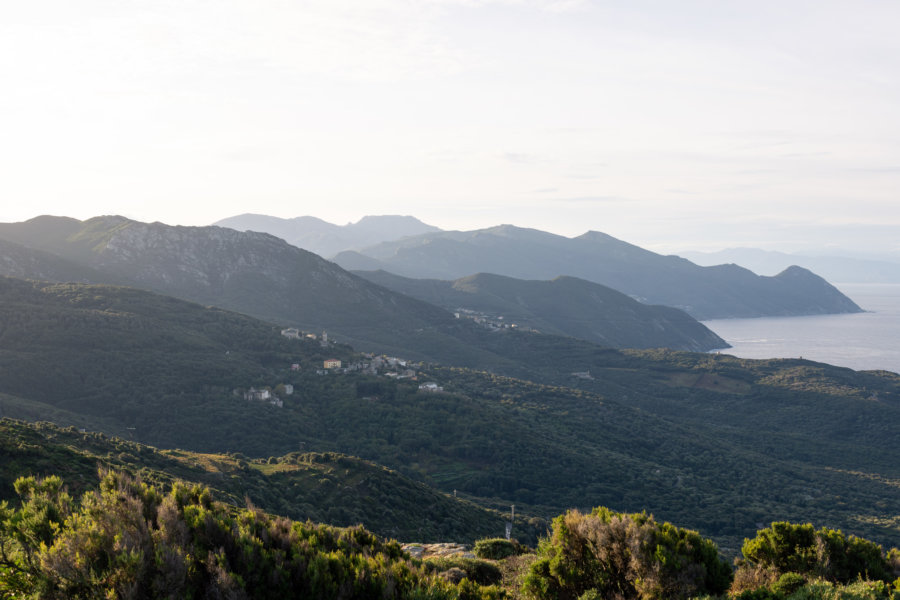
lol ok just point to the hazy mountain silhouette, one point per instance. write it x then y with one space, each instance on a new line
842 269
327 239
704 292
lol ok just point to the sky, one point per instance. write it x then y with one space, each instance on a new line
698 124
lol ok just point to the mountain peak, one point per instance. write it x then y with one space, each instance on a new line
326 239
593 235
369 219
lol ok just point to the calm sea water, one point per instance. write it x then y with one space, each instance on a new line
863 341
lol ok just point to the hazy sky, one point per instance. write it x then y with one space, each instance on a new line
689 124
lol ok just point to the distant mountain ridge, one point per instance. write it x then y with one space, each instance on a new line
563 306
723 291
254 273
327 239
840 269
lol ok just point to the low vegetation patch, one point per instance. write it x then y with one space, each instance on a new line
480 571
496 548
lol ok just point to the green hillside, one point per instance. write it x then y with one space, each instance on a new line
563 306
322 487
716 443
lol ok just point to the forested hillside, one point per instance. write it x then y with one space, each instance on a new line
563 306
716 443
260 275
323 487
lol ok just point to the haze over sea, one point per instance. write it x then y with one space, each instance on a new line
862 341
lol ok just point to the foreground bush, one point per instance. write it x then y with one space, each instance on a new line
787 561
825 554
624 556
495 548
479 571
128 540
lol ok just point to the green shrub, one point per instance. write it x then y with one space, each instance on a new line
825 553
479 571
631 557
494 548
788 583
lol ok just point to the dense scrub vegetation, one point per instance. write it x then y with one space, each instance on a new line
322 487
127 538
130 540
617 556
606 554
787 560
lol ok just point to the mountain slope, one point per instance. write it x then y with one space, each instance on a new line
260 275
712 441
704 292
326 239
329 488
254 273
563 306
20 261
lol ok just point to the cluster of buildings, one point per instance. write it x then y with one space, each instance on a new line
266 395
483 319
389 366
292 333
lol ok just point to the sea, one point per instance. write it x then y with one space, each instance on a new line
861 341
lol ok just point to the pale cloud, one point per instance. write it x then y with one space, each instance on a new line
468 111
592 200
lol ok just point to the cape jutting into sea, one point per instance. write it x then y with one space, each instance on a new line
861 341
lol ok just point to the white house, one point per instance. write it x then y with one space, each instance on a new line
259 395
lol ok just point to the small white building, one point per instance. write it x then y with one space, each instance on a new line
258 395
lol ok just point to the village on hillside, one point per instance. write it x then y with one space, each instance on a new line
390 367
